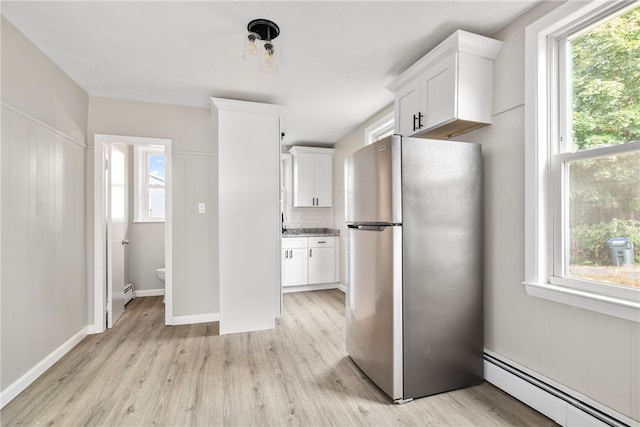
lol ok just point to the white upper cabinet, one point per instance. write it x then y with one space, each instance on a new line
448 91
407 104
312 177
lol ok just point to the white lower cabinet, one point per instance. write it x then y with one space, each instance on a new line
294 268
294 262
322 260
308 261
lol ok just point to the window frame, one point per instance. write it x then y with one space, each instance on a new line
141 184
544 252
381 128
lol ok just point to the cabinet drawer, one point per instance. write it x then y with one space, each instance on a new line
322 242
294 242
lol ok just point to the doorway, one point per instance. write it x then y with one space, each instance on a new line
109 240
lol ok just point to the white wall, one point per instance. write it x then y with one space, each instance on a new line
594 355
145 254
43 292
194 174
249 214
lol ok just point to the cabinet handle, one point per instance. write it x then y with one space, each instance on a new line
420 116
414 122
286 254
290 253
322 241
310 253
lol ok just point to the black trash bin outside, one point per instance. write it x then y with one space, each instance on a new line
621 249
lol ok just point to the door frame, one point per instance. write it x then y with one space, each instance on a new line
101 143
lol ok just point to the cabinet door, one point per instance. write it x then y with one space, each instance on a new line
285 267
304 180
407 105
294 267
324 180
439 92
322 265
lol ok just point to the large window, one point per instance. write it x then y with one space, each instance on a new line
149 183
583 157
598 158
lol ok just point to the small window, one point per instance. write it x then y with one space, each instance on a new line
380 129
149 183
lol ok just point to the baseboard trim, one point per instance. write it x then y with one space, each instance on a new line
341 287
561 407
8 394
304 288
148 292
93 329
196 318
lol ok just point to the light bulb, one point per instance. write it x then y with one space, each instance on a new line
269 66
250 50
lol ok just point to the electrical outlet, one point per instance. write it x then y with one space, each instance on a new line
201 208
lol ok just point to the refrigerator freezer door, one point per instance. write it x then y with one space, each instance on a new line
374 304
372 175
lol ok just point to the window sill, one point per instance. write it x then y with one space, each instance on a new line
612 306
148 221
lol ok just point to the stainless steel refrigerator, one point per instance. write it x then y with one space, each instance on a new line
414 301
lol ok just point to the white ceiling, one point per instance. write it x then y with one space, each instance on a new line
336 57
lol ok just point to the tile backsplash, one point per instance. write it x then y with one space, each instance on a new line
310 218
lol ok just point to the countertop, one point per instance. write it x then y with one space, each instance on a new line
310 232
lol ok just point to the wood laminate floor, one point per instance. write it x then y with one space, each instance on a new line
144 373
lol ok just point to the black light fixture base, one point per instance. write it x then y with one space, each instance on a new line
267 30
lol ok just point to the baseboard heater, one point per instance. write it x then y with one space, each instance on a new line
541 402
128 293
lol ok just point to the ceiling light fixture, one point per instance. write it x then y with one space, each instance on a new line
259 47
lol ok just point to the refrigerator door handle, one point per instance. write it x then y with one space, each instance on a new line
370 227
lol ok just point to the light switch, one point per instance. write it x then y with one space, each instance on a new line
202 208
